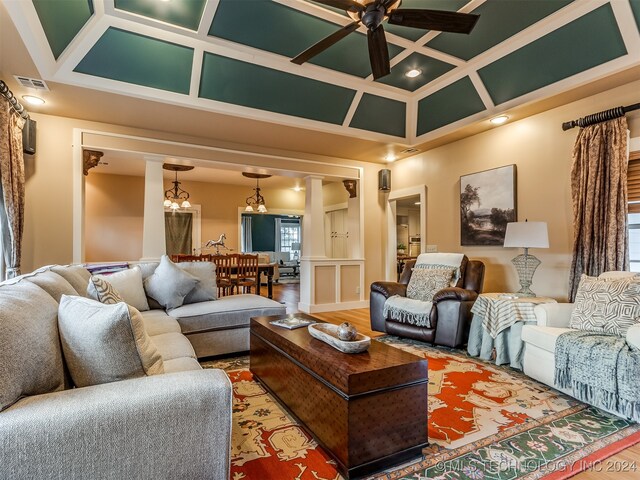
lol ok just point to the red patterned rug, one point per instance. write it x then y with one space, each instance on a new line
485 422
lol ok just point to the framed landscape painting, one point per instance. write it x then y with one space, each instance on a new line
487 204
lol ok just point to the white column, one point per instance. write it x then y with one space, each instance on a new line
153 240
313 220
312 240
353 225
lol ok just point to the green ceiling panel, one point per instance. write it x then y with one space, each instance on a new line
289 33
184 13
129 57
416 33
379 114
562 53
62 20
450 104
232 81
431 69
635 6
498 21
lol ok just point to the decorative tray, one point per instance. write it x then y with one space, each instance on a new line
328 333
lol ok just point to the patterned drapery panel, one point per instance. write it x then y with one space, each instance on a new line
599 194
11 187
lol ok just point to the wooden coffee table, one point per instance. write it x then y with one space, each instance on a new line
368 410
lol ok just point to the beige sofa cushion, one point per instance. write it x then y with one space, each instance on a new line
76 275
543 337
205 272
101 290
105 343
52 283
128 283
30 355
169 284
157 322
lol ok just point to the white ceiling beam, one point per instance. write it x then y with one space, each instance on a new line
628 27
352 109
210 9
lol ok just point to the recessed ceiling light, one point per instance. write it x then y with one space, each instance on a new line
417 203
390 157
33 100
499 120
413 73
297 188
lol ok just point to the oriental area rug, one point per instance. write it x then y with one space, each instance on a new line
485 422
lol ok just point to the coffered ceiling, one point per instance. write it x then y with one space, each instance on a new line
232 57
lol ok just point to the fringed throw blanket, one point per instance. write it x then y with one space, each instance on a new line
601 370
408 310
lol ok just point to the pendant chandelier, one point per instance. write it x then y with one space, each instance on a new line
176 197
256 200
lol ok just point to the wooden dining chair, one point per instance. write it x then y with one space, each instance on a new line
247 273
224 266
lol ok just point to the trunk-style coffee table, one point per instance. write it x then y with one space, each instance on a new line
368 410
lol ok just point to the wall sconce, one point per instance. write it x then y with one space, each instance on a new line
384 180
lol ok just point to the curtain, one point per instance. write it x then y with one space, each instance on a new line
178 227
11 186
247 243
278 233
599 195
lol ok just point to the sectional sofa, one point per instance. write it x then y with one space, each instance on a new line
176 424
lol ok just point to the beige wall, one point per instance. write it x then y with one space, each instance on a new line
334 193
114 211
541 152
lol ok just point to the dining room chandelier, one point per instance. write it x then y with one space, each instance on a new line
256 200
176 197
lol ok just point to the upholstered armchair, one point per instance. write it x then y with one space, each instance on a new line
450 315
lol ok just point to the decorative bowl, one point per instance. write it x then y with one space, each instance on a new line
328 333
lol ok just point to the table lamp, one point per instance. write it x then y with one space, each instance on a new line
295 246
526 235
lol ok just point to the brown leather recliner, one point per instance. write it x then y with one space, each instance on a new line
451 312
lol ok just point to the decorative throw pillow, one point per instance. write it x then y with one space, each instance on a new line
606 305
102 291
169 284
128 283
105 343
205 272
425 282
439 266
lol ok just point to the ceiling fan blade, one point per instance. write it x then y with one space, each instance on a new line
342 4
378 53
325 43
434 20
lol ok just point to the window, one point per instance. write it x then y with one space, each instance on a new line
289 233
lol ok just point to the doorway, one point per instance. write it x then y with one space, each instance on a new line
406 227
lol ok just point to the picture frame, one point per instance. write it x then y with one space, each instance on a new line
487 204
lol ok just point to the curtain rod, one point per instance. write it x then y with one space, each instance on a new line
600 117
15 104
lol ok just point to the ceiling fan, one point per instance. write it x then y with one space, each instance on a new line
371 14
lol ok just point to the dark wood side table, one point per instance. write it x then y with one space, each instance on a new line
368 410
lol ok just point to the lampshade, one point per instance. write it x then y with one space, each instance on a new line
527 235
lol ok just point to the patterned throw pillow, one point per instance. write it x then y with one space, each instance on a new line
101 290
425 282
440 266
606 305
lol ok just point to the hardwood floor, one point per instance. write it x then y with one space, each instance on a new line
608 469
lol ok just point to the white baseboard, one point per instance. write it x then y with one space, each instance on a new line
332 307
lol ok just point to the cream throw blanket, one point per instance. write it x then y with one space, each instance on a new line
417 312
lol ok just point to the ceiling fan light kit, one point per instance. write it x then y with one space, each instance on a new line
371 14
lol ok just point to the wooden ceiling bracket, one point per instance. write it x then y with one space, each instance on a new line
351 185
90 159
